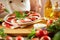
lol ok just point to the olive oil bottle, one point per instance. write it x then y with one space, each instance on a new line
47 9
56 11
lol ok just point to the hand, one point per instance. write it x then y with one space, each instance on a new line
1 8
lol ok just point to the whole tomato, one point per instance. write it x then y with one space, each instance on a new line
40 33
9 38
45 38
19 38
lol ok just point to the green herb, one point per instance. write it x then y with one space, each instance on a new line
6 10
2 34
55 26
20 15
57 36
32 34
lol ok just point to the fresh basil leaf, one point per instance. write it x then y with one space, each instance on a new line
2 34
32 34
17 14
20 15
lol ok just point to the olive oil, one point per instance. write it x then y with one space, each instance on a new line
48 9
56 11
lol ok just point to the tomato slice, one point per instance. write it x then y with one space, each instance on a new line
33 19
8 25
9 19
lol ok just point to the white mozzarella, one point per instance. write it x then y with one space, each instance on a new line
37 26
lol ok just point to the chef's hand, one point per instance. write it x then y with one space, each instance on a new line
1 8
35 5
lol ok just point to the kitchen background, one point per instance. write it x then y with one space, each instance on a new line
34 5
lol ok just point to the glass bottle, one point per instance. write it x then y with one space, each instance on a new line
56 11
47 9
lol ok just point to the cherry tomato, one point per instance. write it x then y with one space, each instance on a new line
49 22
19 38
9 38
40 33
45 38
35 39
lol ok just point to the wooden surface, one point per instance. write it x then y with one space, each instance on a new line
20 31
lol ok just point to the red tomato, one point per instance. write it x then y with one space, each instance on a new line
33 19
9 38
35 39
49 22
45 38
40 33
19 38
9 19
8 25
35 14
22 20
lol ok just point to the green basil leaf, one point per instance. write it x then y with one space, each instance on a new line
32 34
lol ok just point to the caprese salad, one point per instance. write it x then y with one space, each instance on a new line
48 31
20 19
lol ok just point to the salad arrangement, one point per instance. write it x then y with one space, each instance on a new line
20 19
50 32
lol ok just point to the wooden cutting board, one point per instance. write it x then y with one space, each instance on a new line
20 31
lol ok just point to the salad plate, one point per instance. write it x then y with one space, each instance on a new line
21 19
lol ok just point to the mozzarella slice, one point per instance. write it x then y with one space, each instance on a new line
37 26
